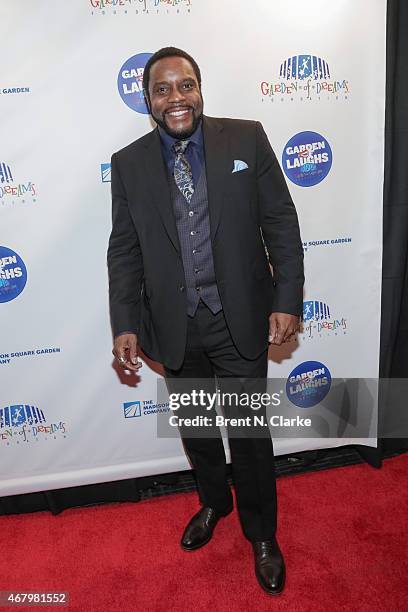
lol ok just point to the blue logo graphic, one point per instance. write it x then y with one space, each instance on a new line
304 67
5 173
132 409
308 384
318 319
13 274
18 414
307 159
130 80
106 173
316 311
144 408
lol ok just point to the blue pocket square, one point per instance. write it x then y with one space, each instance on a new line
239 165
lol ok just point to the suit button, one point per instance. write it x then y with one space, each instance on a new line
181 288
198 288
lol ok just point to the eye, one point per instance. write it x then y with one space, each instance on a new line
188 85
161 89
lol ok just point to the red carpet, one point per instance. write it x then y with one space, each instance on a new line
343 533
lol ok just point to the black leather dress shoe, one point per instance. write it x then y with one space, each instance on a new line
269 566
200 528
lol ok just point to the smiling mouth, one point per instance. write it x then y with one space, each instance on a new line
181 112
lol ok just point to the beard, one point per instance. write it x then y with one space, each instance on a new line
181 134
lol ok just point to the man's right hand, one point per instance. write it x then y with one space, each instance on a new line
125 351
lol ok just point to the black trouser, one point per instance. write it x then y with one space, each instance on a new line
211 352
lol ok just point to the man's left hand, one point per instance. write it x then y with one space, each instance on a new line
282 327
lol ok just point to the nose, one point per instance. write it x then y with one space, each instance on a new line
175 95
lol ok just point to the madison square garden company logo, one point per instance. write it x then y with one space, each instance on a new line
140 7
305 77
307 159
13 274
140 408
308 384
14 191
317 319
106 173
130 82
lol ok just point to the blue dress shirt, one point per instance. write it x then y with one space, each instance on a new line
194 152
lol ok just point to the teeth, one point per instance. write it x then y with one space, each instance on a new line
177 113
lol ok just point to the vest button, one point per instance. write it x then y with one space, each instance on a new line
190 213
181 288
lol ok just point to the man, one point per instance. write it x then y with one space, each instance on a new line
199 204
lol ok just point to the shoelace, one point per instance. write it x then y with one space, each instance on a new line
266 547
210 513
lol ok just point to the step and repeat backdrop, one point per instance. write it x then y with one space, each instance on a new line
70 95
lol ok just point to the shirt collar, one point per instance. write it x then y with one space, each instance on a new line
168 141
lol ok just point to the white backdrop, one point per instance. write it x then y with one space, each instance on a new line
66 415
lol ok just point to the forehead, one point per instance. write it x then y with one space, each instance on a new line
171 69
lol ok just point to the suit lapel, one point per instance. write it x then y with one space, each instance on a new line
157 178
218 165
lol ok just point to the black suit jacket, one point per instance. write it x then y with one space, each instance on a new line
249 210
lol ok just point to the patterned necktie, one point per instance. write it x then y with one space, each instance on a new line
183 175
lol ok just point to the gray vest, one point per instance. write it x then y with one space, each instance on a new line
193 227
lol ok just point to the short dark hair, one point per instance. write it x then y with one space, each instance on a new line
167 52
